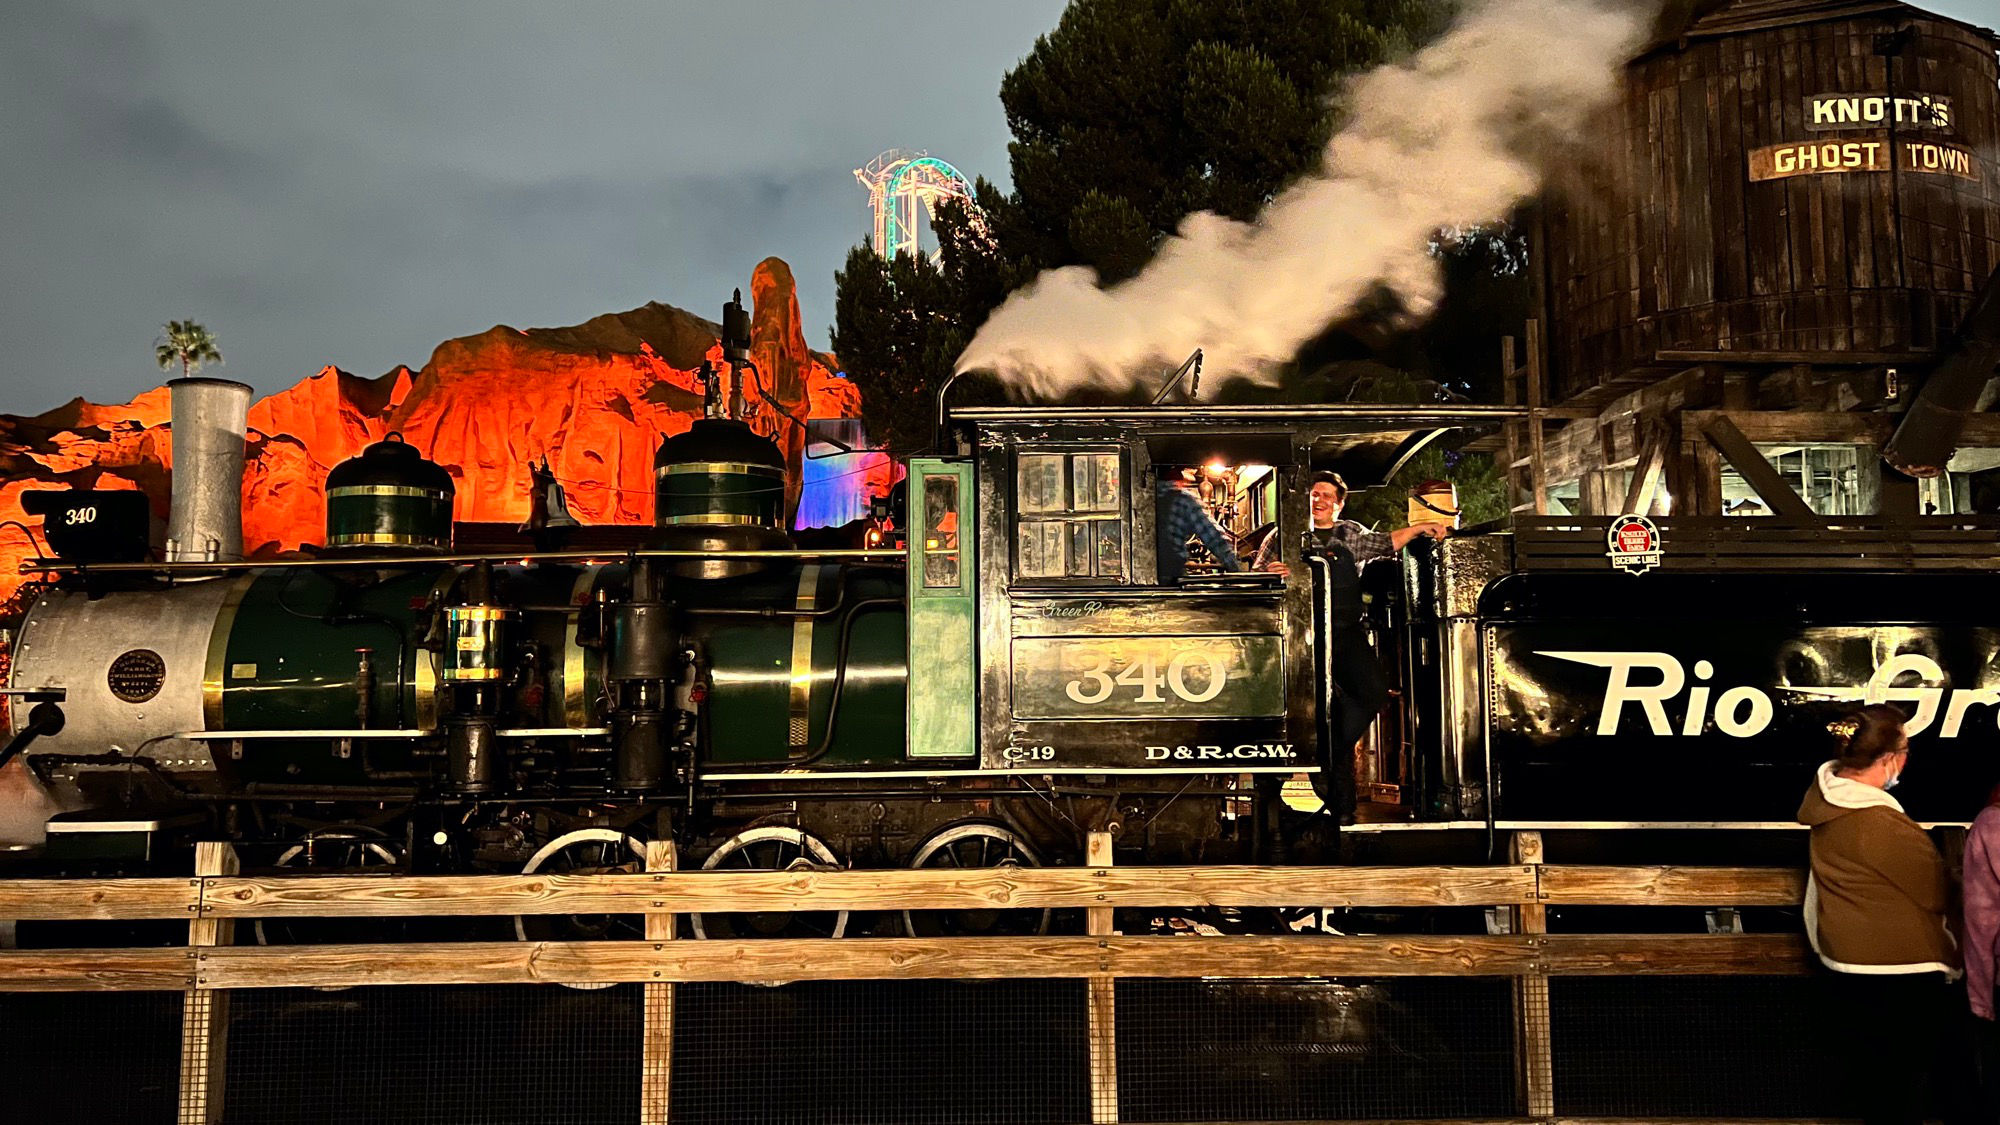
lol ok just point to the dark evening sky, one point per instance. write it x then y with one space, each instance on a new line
352 183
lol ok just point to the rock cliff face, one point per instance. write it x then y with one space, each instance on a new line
595 399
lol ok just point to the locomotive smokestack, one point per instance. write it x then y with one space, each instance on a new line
206 521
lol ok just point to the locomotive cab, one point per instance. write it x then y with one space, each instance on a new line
1099 655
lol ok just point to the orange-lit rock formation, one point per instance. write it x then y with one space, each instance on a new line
595 399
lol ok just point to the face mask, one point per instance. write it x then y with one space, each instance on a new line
1892 783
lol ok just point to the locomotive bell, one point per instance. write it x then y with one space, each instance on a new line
1434 501
719 487
389 497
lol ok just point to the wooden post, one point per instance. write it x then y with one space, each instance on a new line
1511 429
205 1012
1533 1046
656 1065
1537 471
1103 1001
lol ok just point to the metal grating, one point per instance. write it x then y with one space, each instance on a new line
89 1057
1692 1047
881 1052
473 1053
1315 1050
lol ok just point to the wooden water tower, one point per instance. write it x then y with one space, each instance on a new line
1791 210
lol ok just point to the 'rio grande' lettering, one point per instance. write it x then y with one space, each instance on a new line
1648 681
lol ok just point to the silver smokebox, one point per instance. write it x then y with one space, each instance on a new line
206 521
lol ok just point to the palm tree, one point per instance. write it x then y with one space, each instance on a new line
188 344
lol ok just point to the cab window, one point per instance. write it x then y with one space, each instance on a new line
940 531
1069 515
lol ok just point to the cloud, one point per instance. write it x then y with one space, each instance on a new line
355 183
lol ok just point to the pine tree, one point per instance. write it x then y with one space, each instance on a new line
1127 117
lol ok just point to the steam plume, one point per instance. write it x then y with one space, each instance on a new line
1448 138
24 805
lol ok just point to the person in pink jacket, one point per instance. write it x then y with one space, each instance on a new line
1982 941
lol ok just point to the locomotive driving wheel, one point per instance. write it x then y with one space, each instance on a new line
964 847
344 848
586 851
772 848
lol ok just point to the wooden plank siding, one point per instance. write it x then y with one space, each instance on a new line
1657 242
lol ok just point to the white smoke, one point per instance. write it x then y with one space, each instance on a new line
1448 138
24 805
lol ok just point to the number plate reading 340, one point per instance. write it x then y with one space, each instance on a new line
1147 677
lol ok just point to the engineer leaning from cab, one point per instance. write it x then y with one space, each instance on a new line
1329 498
1357 676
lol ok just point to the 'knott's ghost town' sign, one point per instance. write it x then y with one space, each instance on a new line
1871 153
1859 111
1886 146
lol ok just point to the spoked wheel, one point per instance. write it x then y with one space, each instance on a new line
772 848
968 846
329 850
586 851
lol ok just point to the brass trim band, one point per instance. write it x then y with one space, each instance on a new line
372 539
426 689
710 518
477 613
683 468
802 657
574 702
387 490
461 675
218 653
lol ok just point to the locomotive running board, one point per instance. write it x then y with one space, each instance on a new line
879 775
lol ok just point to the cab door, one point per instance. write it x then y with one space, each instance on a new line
944 660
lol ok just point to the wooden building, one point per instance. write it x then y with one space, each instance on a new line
1774 239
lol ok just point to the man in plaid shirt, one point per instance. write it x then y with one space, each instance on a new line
1181 517
1329 496
1360 689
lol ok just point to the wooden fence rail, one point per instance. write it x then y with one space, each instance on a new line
207 969
691 892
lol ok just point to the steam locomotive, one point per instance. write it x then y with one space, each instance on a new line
1012 678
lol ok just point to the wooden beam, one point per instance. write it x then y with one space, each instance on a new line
205 1013
1512 430
868 959
1537 467
1785 503
1646 474
1533 1026
1799 427
1103 997
1678 955
656 1036
1817 359
1004 888
96 970
97 900
1672 886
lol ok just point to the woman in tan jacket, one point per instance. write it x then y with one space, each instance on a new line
1875 914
